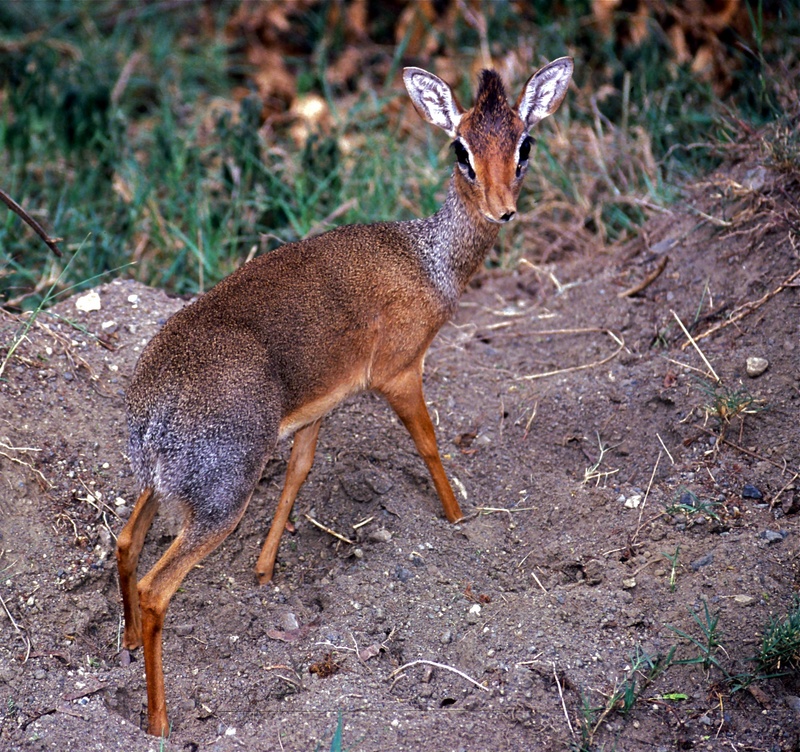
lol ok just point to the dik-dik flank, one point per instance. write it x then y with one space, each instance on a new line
273 348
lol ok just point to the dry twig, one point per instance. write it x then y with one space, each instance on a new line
696 347
647 281
328 530
50 242
620 342
442 666
748 308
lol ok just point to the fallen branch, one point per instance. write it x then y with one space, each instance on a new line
51 243
647 281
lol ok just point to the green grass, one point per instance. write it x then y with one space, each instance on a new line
689 504
644 669
707 645
779 653
170 180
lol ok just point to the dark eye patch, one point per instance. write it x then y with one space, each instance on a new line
462 157
525 149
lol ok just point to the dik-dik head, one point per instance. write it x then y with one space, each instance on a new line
491 140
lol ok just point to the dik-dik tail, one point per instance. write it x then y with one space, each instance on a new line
274 347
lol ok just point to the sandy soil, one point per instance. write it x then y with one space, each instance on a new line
562 571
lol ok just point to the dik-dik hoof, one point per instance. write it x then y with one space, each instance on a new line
264 578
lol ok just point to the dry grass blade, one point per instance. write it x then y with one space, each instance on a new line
444 666
748 308
6 446
19 630
328 530
620 342
696 347
563 703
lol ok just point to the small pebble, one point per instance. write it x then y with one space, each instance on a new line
88 302
749 491
632 502
774 536
381 535
703 561
793 702
756 366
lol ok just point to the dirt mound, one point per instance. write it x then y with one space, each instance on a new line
618 497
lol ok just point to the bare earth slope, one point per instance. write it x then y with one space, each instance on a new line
562 571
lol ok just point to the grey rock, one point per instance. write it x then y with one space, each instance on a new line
703 561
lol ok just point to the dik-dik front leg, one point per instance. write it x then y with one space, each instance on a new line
300 461
404 394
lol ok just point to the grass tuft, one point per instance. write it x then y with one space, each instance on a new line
780 644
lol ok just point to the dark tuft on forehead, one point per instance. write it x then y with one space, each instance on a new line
491 94
492 117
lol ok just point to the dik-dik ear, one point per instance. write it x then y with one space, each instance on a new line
544 91
434 99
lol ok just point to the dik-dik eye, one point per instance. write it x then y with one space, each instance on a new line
524 153
462 157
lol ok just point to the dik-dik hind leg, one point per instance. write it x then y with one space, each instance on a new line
156 589
300 461
129 546
404 394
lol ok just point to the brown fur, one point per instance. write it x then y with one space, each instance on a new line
278 344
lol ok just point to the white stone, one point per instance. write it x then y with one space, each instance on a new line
756 366
88 302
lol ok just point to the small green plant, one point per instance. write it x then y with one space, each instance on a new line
594 473
688 503
673 572
336 741
780 643
643 671
708 644
587 726
725 403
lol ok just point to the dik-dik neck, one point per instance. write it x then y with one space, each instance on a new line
453 243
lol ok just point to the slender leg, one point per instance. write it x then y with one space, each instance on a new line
300 461
404 394
129 546
156 589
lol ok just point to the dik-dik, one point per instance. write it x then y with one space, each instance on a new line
276 346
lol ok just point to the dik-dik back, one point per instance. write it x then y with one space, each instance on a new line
278 344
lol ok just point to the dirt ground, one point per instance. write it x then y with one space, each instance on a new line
563 569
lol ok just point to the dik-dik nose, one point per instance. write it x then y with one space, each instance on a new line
509 215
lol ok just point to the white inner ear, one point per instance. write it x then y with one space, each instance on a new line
433 99
545 91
